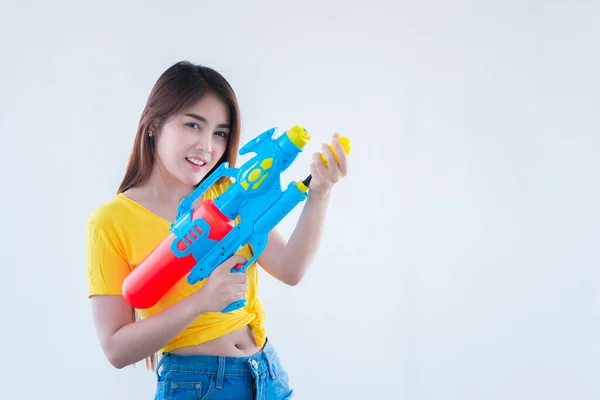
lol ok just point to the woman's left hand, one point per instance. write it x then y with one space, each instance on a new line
324 177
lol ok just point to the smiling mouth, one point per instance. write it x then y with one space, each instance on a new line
195 162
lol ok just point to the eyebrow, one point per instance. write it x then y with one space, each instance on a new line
202 119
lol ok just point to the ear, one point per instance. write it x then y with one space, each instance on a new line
152 125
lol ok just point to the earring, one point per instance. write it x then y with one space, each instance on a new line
150 134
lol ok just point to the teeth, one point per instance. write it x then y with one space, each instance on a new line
196 161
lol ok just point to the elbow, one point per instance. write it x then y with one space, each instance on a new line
115 360
114 356
293 280
118 364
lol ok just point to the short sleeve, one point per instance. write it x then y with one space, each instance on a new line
106 267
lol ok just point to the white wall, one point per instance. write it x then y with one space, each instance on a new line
460 258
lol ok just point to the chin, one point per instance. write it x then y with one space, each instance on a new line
190 180
194 182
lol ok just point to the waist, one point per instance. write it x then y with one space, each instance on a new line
217 333
240 342
256 363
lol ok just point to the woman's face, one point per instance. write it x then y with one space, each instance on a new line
191 142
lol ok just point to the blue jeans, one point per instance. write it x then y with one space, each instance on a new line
257 377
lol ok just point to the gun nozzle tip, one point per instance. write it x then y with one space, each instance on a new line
298 135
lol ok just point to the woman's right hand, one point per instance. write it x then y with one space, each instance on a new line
223 287
126 341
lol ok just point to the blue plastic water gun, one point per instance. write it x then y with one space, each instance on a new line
204 237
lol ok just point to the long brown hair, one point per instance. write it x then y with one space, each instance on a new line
181 85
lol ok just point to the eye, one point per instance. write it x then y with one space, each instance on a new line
192 125
222 134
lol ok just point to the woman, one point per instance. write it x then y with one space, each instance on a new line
189 126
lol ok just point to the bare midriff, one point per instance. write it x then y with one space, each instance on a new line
238 343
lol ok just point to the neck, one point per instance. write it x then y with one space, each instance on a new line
162 188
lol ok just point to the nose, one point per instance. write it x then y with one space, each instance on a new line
204 142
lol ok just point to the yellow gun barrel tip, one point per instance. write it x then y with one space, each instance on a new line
298 135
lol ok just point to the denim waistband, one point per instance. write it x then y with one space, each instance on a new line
220 365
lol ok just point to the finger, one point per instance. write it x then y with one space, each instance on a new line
240 278
231 262
333 170
236 296
332 164
314 173
320 168
240 295
342 157
236 259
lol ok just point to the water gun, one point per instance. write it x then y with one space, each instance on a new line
201 239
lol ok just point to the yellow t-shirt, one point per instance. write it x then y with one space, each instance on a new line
121 233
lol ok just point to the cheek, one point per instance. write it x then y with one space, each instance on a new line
219 148
169 151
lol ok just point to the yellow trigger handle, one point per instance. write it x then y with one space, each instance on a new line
346 145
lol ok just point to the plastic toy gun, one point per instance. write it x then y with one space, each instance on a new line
203 238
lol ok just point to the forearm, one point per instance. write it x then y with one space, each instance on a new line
138 340
304 241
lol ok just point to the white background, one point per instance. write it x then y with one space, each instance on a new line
460 258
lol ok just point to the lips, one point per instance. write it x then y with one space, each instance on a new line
196 162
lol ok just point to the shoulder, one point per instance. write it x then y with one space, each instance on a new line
106 216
